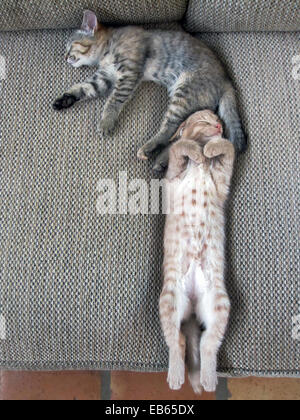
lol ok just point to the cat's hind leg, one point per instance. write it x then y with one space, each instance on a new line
216 306
228 111
212 309
174 306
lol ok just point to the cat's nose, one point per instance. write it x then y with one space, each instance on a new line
219 127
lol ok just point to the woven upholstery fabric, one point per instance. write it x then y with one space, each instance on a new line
79 290
38 14
263 217
243 15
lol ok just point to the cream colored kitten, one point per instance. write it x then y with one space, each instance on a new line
194 293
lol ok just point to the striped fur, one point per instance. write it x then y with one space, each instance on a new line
199 175
127 56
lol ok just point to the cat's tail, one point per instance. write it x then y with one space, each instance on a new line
228 111
192 331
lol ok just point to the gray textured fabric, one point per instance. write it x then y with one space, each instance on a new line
38 14
79 290
243 15
263 225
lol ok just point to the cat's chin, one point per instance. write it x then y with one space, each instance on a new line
216 136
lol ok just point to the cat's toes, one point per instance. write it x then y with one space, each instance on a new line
107 126
146 152
142 154
195 382
198 157
160 166
176 378
162 161
211 150
209 380
64 102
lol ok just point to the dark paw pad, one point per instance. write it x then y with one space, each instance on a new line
66 101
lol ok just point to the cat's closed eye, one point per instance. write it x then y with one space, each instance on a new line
82 49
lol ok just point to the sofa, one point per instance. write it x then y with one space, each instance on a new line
80 289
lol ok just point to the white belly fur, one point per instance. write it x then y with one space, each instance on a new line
194 282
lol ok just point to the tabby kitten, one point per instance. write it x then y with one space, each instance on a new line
194 293
127 56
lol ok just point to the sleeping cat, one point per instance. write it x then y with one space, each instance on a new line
194 293
126 56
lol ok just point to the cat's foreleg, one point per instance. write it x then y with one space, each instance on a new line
223 167
179 153
94 87
122 93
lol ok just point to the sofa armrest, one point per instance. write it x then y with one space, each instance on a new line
243 15
40 14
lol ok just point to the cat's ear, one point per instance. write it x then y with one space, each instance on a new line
179 132
90 22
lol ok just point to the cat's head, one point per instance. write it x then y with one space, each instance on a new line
201 127
82 46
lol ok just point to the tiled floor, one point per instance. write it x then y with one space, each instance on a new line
50 386
141 386
127 386
264 389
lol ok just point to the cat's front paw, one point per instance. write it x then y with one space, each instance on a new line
142 154
107 126
160 167
147 151
212 150
197 156
64 102
162 162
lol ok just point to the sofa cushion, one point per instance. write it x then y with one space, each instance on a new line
80 290
243 15
37 14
